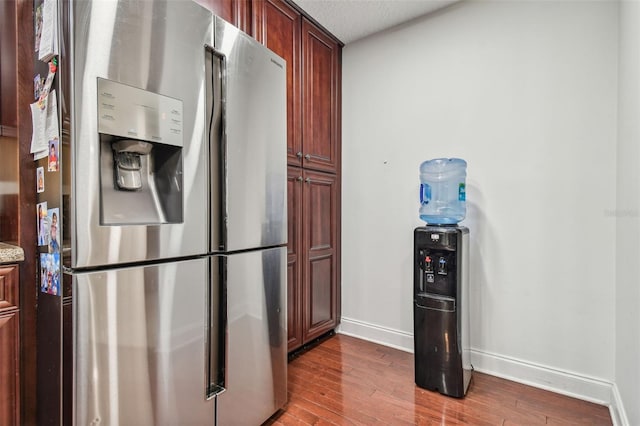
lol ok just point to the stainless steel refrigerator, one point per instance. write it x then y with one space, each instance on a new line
249 221
171 192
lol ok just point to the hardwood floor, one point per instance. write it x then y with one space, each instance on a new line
351 381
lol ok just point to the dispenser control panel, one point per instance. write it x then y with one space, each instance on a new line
130 112
438 271
438 254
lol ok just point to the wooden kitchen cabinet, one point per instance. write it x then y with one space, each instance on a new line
313 82
222 8
313 255
321 59
294 258
320 253
236 12
9 346
278 26
8 68
313 153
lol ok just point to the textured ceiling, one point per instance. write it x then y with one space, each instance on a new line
350 20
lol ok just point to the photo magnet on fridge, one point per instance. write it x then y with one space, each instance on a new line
54 164
54 230
43 224
50 273
40 180
37 85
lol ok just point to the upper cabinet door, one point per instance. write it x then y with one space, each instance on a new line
277 26
236 12
8 80
321 109
223 8
242 15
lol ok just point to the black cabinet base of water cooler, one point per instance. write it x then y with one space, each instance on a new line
438 359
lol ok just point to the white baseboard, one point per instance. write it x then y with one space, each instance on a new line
374 333
540 376
544 377
616 408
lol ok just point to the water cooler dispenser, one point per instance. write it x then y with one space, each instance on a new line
441 309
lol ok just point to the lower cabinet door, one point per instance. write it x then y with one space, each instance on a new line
320 276
9 346
295 184
313 255
9 372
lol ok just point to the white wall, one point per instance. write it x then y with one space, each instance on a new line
628 215
526 92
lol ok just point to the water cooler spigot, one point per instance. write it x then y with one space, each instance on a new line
128 163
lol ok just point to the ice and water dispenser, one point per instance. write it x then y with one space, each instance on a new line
441 281
140 155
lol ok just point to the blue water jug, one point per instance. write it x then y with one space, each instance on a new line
443 191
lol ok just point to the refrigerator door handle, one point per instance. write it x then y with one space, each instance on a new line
217 327
216 85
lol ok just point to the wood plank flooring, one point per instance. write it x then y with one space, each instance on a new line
348 381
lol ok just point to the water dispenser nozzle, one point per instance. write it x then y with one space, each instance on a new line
128 164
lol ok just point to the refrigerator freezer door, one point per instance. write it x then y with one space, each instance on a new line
252 144
140 343
256 372
149 58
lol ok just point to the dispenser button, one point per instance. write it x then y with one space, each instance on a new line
442 266
428 264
